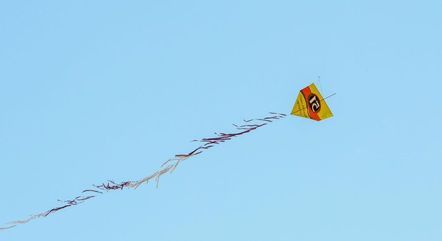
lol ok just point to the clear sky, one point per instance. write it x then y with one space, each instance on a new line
98 90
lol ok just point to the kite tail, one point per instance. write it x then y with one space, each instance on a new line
167 167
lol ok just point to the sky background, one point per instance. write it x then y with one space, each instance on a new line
98 90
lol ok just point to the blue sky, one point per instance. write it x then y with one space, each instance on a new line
98 90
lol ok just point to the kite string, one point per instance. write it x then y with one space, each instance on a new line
167 167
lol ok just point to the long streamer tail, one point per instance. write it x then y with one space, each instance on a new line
167 167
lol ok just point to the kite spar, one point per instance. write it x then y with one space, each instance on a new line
309 104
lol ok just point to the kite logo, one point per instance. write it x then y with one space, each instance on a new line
314 103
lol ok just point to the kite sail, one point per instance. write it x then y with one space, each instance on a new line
309 104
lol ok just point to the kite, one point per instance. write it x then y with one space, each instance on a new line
309 104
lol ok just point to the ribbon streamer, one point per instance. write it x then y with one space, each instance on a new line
167 167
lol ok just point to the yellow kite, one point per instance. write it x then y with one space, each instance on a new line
310 104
